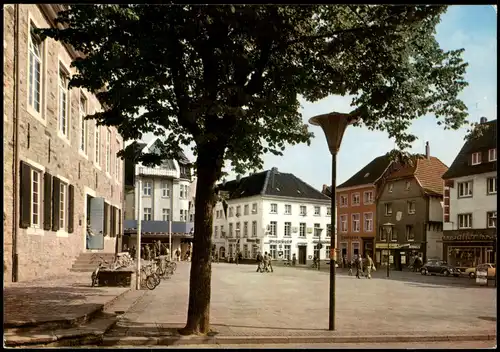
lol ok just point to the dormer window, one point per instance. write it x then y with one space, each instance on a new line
492 154
476 158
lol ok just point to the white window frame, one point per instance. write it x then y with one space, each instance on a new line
492 154
287 229
273 228
368 221
343 223
231 227
288 209
31 87
390 187
302 210
328 211
356 221
316 230
370 200
238 210
245 229
407 185
464 219
97 145
317 211
387 207
148 214
108 151
476 158
165 190
246 209
181 192
489 218
302 229
493 181
383 234
412 228
216 231
355 199
166 214
39 199
254 228
254 208
287 251
461 189
353 245
231 212
63 88
274 208
411 210
148 185
84 130
344 201
63 204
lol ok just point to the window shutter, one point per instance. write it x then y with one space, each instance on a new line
25 196
119 222
56 194
47 201
113 221
71 208
106 209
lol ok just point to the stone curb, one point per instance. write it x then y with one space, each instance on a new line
237 340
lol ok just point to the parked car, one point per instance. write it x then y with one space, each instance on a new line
470 272
434 267
490 268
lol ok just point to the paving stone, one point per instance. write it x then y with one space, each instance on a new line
293 302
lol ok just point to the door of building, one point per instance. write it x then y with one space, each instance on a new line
95 239
302 254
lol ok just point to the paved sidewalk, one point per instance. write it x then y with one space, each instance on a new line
59 299
292 302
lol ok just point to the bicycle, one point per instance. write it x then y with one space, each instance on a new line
95 273
147 278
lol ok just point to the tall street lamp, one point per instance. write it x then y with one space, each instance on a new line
388 232
334 125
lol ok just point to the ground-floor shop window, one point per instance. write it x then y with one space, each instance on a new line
470 256
272 251
222 252
231 250
288 249
245 251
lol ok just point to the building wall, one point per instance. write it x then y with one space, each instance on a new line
436 209
347 239
479 204
295 218
44 253
435 242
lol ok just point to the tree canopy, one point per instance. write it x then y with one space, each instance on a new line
230 76
228 79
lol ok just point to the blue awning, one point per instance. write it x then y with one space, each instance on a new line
130 226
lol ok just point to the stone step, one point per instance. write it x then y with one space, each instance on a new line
90 332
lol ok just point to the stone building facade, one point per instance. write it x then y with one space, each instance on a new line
60 172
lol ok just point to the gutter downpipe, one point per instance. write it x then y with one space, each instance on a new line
15 198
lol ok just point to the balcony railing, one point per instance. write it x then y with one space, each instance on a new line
152 171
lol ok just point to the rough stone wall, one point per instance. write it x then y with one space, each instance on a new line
47 253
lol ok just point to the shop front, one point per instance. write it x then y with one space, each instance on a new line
398 255
469 248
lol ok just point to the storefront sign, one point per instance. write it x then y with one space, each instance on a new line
232 240
301 244
352 238
280 241
469 237
384 245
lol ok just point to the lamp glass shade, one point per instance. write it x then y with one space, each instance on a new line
334 125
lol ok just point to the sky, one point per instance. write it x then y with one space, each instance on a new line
471 27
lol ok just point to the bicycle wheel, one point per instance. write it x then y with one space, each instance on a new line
157 278
151 282
173 265
160 272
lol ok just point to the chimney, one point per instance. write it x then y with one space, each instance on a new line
427 151
483 120
274 169
325 187
238 178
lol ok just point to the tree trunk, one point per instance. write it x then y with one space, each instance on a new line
198 320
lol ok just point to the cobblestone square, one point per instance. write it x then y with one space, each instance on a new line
294 301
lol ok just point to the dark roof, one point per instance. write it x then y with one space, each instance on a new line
271 183
462 165
428 172
168 163
369 174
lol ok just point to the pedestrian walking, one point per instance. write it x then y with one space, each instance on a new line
270 263
369 266
266 262
259 262
237 257
350 264
178 254
147 252
359 266
294 259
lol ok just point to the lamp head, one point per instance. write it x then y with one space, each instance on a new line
334 125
